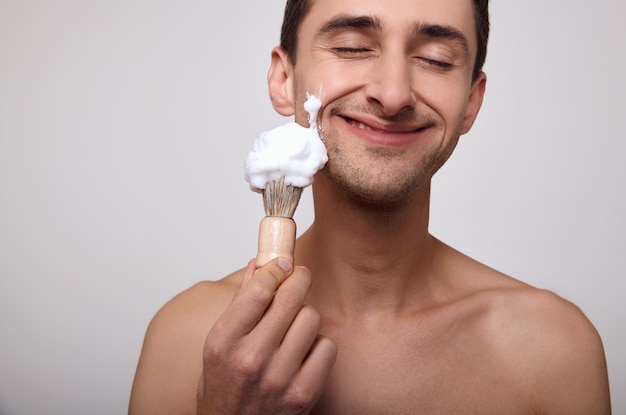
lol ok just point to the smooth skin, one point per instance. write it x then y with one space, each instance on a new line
376 316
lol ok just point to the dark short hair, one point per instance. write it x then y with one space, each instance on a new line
296 11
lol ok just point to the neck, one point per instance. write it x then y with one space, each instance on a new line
367 257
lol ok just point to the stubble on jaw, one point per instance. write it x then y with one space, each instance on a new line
378 177
384 189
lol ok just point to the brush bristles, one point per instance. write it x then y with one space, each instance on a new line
281 199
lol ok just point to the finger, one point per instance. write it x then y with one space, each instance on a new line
284 308
253 299
250 269
309 384
297 343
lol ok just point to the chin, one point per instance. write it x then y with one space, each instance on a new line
379 192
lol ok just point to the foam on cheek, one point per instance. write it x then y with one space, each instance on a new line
290 151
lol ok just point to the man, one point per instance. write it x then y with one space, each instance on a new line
376 316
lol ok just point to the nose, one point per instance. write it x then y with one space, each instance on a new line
391 86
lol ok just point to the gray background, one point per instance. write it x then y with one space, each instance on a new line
123 129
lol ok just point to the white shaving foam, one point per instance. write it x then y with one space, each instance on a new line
290 151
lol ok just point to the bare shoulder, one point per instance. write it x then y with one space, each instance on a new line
171 358
204 300
551 323
543 344
551 348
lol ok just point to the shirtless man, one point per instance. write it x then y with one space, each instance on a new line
376 316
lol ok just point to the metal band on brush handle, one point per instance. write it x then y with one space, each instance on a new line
277 238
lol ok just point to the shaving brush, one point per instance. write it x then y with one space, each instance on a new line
282 162
277 231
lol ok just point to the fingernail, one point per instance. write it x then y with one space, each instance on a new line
284 264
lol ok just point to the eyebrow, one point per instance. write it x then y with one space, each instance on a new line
436 31
433 31
342 22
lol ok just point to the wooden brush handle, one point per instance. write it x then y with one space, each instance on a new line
277 238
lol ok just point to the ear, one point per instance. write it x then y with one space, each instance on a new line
475 102
280 82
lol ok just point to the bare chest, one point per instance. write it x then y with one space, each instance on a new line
412 372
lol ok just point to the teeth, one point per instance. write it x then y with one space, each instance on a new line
360 125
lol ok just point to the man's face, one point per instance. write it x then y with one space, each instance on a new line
395 78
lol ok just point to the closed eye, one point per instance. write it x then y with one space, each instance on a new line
351 50
437 64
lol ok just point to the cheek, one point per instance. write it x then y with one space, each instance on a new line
330 82
449 100
340 83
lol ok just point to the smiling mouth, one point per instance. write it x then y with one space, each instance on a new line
362 126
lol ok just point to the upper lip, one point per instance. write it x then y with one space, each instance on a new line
388 127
